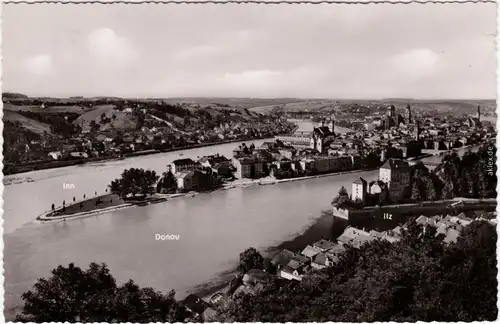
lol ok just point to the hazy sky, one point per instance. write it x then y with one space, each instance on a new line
330 51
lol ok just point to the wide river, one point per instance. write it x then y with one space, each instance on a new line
213 228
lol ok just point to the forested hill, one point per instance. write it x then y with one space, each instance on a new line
417 279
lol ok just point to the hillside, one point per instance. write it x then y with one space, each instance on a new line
32 125
12 95
121 121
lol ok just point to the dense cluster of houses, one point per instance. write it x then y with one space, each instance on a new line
325 253
272 158
190 175
393 135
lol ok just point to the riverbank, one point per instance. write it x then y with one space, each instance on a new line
11 169
110 203
323 227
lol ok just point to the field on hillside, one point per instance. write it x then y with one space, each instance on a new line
122 121
28 123
51 109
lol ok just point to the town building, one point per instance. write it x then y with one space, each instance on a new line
255 277
249 167
55 155
294 270
182 165
324 245
327 258
197 308
392 120
300 140
355 237
187 180
396 174
310 251
359 189
290 265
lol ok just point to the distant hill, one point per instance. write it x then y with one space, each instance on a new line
442 105
12 95
234 102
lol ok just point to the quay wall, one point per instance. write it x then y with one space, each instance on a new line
402 212
45 217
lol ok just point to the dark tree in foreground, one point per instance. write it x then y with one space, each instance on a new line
250 259
76 295
419 278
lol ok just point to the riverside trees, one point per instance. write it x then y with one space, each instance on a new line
133 182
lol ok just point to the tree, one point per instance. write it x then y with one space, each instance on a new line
250 259
384 197
168 183
342 199
134 181
94 127
75 295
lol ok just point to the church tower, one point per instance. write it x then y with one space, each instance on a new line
331 126
408 109
417 131
479 113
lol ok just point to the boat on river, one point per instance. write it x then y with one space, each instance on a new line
266 183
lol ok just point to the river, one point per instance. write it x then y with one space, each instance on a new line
213 228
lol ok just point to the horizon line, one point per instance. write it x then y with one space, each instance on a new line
242 97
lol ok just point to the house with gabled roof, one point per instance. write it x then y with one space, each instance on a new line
310 251
294 270
324 245
355 237
197 308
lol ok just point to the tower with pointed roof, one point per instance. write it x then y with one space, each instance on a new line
408 109
359 189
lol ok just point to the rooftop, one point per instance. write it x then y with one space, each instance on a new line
360 181
310 251
392 164
180 162
283 257
324 244
195 304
